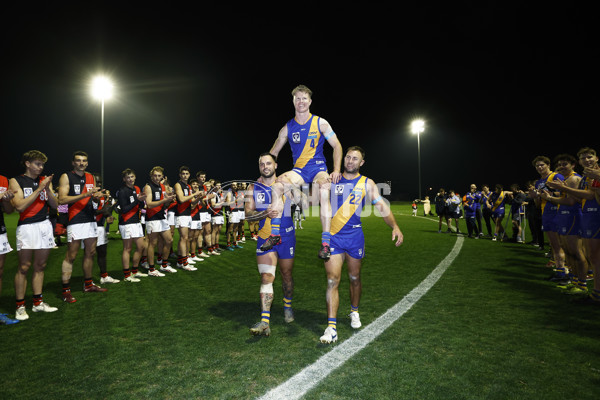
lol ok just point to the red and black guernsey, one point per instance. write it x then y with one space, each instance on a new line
217 210
82 211
158 193
129 204
3 188
38 210
100 218
195 213
201 204
184 208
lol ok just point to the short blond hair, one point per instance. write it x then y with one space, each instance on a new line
302 88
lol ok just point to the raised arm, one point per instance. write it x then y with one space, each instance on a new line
280 141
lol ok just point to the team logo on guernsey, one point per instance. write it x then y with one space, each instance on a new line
296 137
339 189
156 195
260 197
77 188
27 192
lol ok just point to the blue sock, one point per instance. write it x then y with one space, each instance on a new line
326 237
332 322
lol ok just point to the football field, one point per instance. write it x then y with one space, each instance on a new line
444 317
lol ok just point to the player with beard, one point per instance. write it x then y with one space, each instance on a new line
347 239
78 189
158 200
259 199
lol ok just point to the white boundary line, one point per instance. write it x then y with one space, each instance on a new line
309 377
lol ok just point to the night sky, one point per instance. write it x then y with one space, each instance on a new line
211 88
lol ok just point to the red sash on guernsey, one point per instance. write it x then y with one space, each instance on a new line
151 212
101 203
135 209
79 205
34 211
185 206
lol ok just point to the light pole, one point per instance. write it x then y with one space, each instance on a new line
102 89
417 127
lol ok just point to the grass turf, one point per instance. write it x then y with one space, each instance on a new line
491 328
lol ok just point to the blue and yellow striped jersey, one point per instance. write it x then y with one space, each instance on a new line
306 141
347 202
262 201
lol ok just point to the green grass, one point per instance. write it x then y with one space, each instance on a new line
491 328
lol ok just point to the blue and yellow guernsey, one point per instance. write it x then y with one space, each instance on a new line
262 201
347 202
306 141
540 184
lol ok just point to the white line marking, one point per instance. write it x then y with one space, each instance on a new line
309 377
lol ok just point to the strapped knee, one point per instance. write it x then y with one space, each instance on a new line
266 269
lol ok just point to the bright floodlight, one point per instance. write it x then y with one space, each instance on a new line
102 88
417 126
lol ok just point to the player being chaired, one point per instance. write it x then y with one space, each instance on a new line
258 203
306 134
347 238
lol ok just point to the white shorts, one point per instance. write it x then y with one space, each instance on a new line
38 235
196 224
131 231
218 220
102 236
204 217
82 231
235 217
157 226
171 218
183 221
242 214
4 245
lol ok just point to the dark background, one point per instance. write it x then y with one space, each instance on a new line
210 87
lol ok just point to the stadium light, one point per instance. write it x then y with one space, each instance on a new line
102 89
417 127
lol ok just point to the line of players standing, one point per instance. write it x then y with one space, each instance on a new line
147 218
562 206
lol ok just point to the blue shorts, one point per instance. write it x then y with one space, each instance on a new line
549 222
310 170
568 222
285 249
352 243
590 225
498 213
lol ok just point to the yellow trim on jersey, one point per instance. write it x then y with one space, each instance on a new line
544 201
347 210
498 201
309 151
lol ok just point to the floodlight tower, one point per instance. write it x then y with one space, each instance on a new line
417 127
102 89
